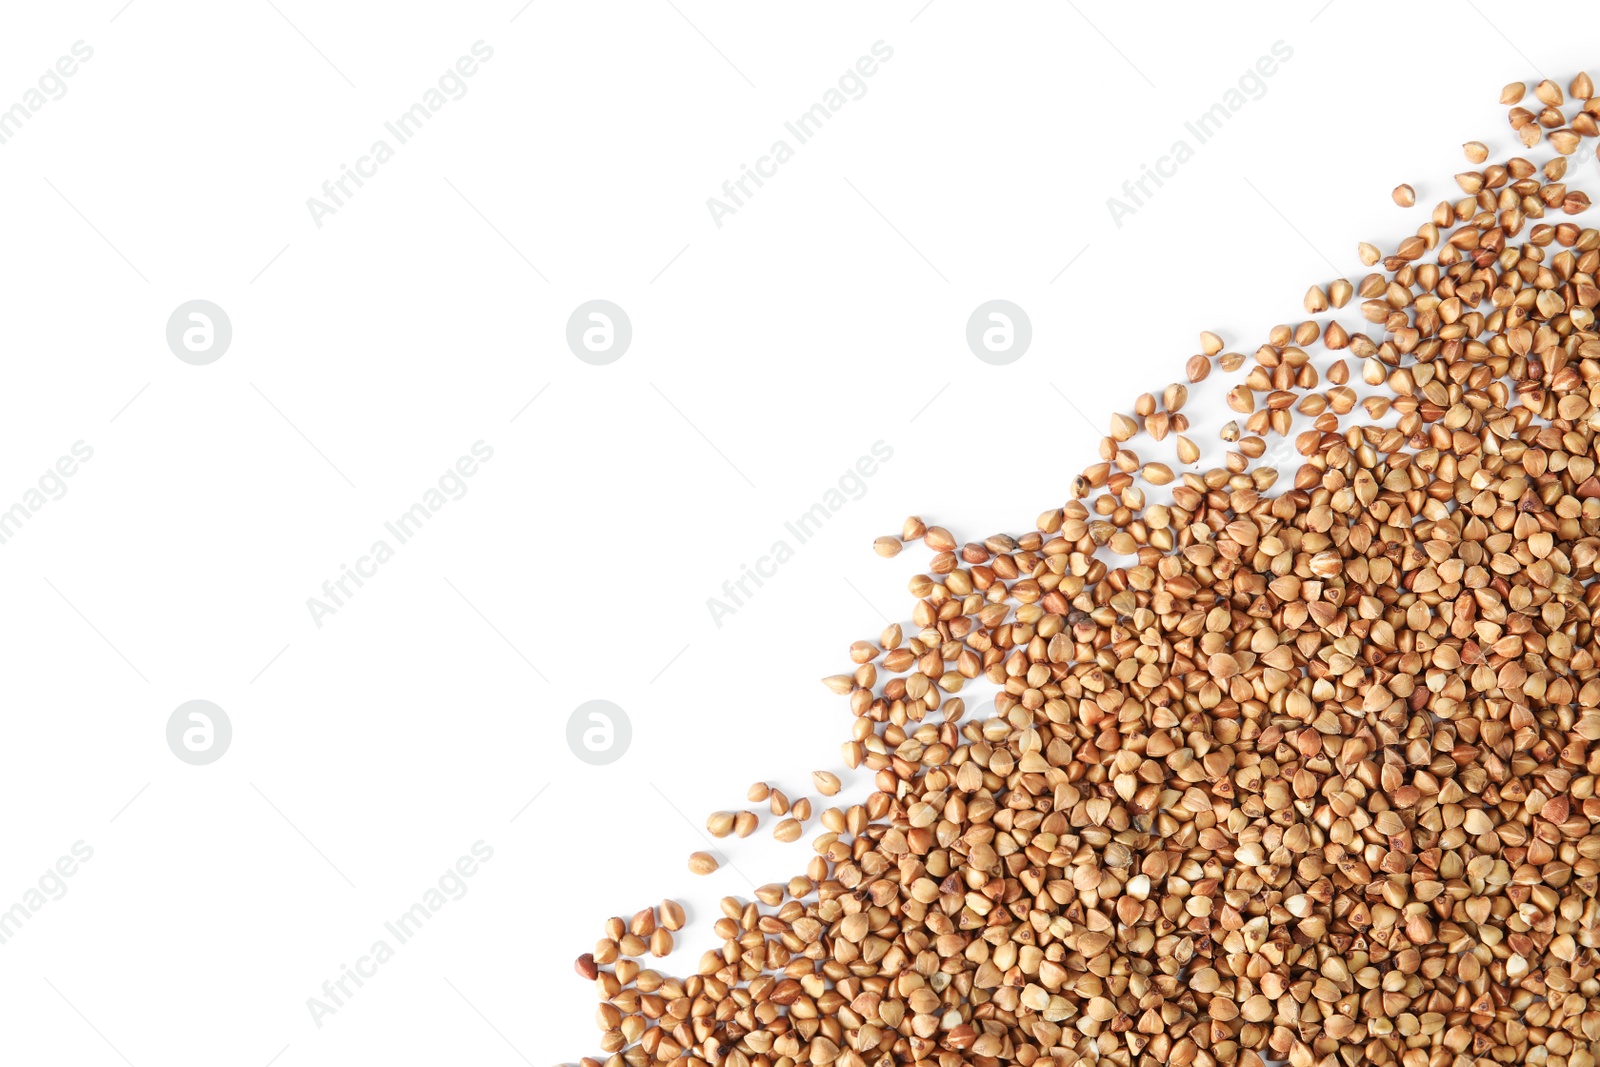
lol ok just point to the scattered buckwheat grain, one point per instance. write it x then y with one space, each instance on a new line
1294 766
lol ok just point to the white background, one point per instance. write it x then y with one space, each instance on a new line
826 314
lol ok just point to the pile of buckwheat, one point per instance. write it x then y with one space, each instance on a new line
1305 777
